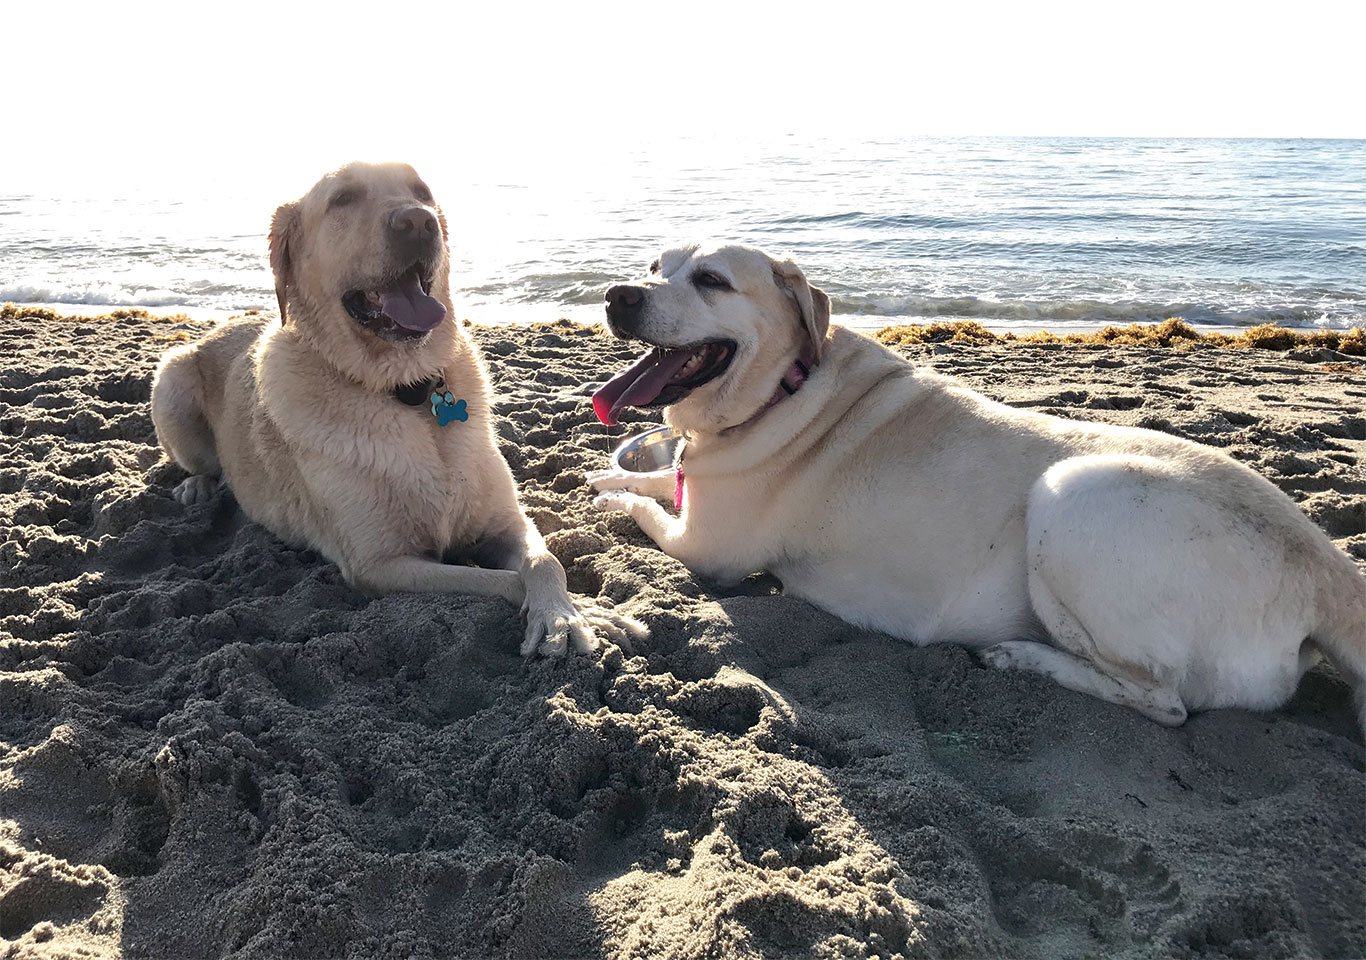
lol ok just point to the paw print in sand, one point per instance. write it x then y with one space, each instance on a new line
446 408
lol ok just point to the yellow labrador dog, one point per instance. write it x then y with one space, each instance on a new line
1131 565
359 425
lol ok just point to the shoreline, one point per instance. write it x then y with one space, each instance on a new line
1175 332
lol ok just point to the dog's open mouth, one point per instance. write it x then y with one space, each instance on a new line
663 376
401 311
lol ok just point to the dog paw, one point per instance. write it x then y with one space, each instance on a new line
196 489
610 625
1004 656
618 500
609 479
552 631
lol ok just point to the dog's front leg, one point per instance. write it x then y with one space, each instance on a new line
656 486
671 534
554 619
664 530
421 575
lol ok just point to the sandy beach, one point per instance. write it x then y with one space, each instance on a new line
211 747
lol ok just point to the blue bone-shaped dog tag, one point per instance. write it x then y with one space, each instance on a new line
446 408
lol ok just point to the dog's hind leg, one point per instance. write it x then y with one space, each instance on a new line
182 429
1092 578
1076 673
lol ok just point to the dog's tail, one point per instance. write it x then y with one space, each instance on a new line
1341 633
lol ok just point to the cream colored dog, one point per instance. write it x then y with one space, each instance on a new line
360 425
1128 564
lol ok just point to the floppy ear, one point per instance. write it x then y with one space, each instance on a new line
812 303
285 229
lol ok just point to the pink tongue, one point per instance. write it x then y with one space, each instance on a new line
410 308
638 384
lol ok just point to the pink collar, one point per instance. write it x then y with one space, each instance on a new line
791 381
789 384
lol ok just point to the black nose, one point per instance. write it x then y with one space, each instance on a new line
624 306
412 228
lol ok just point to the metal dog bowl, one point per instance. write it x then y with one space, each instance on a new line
646 453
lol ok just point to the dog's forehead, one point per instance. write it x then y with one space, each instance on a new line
733 260
379 178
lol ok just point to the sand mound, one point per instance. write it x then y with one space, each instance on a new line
210 746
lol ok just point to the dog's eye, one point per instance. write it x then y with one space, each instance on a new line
654 267
421 192
342 199
705 278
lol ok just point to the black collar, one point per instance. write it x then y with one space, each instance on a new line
416 394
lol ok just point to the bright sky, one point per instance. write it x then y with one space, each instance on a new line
97 94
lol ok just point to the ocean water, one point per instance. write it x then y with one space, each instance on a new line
1060 233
